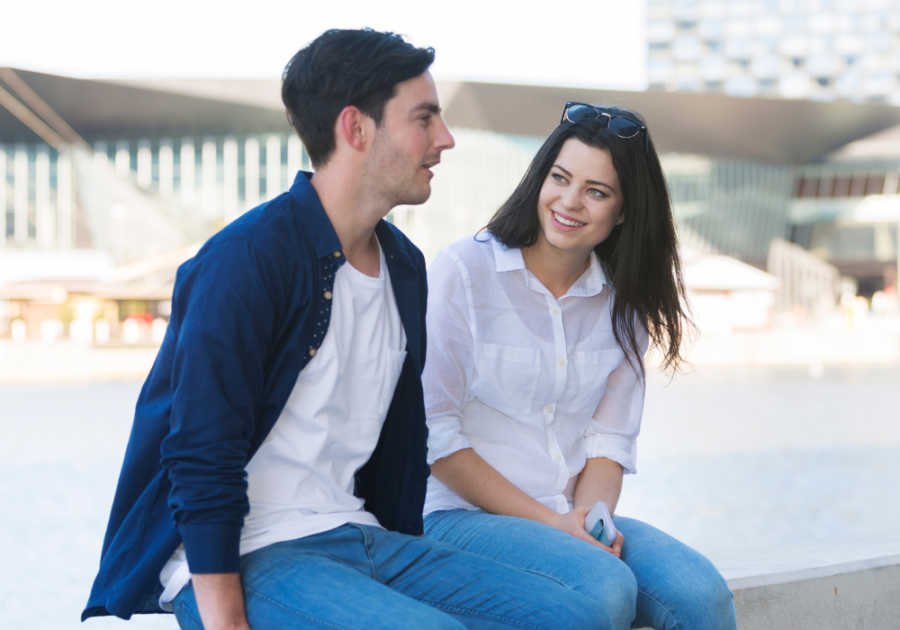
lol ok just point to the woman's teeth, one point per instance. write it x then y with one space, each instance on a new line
567 222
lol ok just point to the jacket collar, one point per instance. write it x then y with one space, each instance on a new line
325 238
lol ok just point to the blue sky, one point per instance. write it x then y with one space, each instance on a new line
594 44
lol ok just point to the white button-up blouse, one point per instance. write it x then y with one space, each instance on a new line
533 384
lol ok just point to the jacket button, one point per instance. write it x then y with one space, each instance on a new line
337 254
312 352
328 295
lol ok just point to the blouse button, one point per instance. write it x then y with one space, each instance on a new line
560 362
557 458
555 311
328 295
312 352
549 409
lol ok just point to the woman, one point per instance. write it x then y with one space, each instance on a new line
534 383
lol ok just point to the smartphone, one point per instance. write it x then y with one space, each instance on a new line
599 524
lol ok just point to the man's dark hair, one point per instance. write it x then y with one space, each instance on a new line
340 68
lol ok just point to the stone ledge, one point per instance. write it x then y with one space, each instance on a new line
823 585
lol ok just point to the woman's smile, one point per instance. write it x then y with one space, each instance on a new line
566 222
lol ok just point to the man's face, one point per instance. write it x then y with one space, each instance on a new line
408 143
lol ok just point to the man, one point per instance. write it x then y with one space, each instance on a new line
276 469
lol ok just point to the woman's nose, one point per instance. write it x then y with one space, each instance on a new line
571 199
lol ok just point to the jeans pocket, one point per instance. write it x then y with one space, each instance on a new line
185 613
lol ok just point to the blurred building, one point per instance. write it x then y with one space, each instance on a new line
810 49
107 186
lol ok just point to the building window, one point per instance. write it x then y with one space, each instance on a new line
823 82
659 46
875 185
808 187
842 186
767 86
858 186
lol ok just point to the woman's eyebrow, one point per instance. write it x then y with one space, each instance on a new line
590 181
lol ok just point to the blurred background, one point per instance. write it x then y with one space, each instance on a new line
131 132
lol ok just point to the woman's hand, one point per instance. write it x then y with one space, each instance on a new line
572 523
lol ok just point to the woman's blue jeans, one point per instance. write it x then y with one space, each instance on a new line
359 577
659 582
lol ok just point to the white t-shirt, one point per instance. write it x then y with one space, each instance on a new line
301 480
534 384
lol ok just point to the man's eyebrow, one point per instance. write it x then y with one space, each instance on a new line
427 106
590 181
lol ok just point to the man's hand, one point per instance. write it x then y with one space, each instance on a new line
572 523
220 600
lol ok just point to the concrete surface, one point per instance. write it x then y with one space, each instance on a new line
838 584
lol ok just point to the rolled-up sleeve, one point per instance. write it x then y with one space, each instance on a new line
449 366
225 324
616 423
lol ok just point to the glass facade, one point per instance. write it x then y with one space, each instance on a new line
816 49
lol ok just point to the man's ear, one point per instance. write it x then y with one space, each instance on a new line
350 127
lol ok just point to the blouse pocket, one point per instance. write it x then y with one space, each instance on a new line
391 377
507 377
593 370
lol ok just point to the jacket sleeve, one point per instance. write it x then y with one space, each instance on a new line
226 313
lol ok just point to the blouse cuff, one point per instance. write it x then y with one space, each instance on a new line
440 446
615 447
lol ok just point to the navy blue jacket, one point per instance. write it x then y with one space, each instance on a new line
248 312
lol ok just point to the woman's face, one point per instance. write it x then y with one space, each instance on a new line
580 201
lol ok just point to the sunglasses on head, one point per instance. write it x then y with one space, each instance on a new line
621 126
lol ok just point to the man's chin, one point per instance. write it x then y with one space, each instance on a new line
415 198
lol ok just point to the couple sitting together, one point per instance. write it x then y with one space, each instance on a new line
277 472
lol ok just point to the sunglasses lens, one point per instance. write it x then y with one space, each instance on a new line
576 113
624 128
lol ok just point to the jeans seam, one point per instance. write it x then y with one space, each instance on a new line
366 534
190 614
479 614
293 612
661 605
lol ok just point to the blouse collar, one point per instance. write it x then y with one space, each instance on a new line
590 283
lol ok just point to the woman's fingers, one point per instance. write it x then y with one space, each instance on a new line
572 523
583 535
617 544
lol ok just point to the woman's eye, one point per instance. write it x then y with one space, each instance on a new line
558 178
597 194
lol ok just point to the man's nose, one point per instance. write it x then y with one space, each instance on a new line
444 139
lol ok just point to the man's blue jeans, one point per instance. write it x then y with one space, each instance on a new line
659 582
363 577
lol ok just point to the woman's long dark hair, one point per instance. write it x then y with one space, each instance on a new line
640 256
